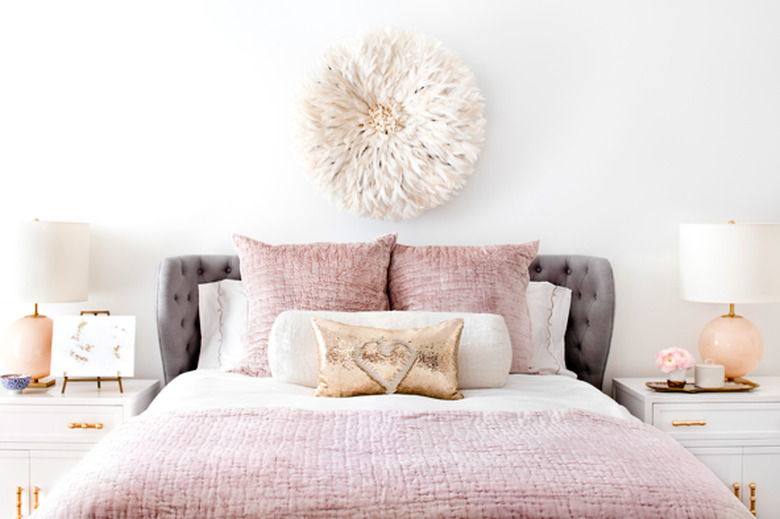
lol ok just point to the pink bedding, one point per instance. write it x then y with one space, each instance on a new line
368 463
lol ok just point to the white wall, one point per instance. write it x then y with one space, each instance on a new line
167 126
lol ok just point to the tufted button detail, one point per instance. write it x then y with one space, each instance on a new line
175 297
182 323
228 270
568 271
200 272
189 297
538 268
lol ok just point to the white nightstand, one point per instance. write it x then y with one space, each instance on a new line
736 434
43 433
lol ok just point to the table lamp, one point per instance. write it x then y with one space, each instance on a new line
730 263
49 263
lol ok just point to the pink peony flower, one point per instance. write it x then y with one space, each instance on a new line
671 359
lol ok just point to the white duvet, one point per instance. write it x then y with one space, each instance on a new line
209 389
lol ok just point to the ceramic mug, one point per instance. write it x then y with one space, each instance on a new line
709 375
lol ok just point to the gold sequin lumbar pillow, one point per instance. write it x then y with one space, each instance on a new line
359 360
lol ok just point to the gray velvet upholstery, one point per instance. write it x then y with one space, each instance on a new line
178 326
588 335
592 313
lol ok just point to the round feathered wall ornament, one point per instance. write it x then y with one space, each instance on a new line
390 124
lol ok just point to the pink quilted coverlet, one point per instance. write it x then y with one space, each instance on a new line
298 463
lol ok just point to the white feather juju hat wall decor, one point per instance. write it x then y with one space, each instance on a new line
390 124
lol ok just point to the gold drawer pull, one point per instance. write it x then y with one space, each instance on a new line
736 489
73 425
753 498
18 502
688 423
36 491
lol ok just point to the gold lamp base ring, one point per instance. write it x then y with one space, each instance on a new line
37 382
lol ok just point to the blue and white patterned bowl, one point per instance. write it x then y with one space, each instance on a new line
15 382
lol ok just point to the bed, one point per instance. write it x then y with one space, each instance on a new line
222 444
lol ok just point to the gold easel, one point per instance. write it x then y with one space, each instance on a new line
118 377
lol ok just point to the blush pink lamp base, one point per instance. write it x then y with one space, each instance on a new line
734 342
26 348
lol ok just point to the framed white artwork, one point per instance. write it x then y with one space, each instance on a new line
93 346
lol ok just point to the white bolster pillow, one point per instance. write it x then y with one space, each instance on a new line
484 354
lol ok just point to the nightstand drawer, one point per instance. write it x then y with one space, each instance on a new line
697 420
58 423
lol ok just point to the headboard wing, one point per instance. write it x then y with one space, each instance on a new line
592 313
588 335
178 325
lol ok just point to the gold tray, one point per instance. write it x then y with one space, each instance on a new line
738 384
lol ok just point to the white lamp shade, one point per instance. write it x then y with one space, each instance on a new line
730 263
49 262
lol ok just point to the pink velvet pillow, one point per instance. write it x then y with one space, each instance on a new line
490 279
349 277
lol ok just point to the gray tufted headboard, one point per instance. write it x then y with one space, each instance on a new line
588 335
